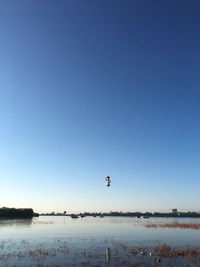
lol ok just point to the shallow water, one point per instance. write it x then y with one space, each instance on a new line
88 241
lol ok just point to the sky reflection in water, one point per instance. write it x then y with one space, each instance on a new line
126 229
48 240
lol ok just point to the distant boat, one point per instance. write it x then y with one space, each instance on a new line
82 216
138 217
73 216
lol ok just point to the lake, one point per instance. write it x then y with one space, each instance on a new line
90 241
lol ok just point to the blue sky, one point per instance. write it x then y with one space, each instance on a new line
96 88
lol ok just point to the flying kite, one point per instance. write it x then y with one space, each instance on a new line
108 181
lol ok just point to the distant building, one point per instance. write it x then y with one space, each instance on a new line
174 211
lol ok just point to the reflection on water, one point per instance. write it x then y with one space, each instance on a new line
120 228
108 254
50 240
15 222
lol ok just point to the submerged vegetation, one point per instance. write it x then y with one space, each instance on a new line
17 213
195 226
168 251
113 253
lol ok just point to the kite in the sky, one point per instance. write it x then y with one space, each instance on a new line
108 181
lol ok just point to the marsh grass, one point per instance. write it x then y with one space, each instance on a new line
194 226
167 251
113 254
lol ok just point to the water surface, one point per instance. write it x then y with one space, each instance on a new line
49 240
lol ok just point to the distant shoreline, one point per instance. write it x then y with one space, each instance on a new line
130 214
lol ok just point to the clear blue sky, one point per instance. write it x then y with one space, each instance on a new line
96 88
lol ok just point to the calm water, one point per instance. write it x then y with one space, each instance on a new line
51 240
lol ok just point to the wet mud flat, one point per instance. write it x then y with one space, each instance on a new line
64 252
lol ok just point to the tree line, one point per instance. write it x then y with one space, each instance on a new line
17 213
131 214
